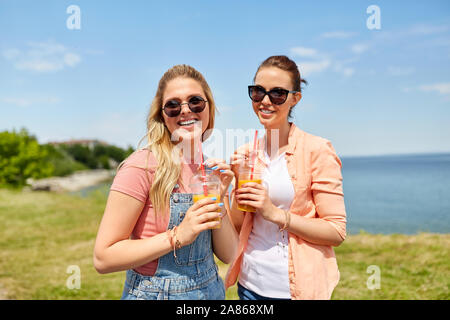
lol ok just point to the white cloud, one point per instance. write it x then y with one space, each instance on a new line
348 72
42 57
11 53
359 48
423 29
20 102
407 89
71 59
313 61
39 65
304 52
441 88
400 71
417 30
338 35
340 67
309 67
26 102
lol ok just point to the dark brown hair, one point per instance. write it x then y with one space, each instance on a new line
286 64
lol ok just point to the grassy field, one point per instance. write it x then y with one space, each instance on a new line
43 234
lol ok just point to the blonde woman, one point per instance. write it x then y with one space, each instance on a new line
150 226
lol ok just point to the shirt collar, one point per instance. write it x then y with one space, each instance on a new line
292 141
292 138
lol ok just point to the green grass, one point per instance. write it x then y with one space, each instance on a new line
411 266
42 234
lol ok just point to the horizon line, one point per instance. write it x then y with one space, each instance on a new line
425 153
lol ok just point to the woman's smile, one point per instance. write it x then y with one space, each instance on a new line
266 113
189 124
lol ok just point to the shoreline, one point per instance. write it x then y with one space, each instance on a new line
72 183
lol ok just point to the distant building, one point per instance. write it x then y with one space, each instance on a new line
89 143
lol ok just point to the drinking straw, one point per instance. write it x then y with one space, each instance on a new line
202 167
255 141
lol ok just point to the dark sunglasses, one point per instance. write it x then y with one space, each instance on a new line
172 108
276 95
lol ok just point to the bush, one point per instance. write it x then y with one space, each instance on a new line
82 154
21 157
63 163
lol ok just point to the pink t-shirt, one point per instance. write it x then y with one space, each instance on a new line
135 180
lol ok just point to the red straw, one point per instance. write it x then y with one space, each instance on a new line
255 141
205 189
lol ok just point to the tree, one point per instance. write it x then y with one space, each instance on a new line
21 157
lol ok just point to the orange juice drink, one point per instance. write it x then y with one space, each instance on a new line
247 175
197 197
245 207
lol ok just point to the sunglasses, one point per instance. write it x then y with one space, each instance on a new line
276 95
172 108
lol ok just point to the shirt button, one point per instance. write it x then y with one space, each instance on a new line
175 198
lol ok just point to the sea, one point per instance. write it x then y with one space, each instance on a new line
404 194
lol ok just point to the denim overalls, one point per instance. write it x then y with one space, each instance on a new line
192 275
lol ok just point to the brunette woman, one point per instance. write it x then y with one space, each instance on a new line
286 244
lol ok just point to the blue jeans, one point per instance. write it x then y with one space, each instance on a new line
192 275
245 294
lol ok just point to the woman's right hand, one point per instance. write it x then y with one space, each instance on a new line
237 160
197 219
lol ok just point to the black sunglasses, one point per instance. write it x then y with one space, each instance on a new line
172 108
276 95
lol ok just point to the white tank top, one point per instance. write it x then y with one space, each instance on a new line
264 267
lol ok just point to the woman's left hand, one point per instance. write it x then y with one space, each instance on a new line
224 172
257 196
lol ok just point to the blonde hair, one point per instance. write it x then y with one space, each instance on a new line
159 140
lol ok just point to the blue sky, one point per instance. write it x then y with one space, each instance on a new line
370 92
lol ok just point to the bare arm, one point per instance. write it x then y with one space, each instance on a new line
329 227
317 231
236 215
114 251
225 239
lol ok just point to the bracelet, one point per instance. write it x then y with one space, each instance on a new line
169 235
288 220
174 242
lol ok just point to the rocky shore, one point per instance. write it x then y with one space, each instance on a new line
74 182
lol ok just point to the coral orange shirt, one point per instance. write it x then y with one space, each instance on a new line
315 171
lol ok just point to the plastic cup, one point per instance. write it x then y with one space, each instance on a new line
246 175
212 184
